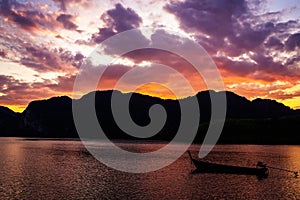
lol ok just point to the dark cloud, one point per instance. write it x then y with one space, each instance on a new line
117 20
66 21
293 42
5 80
274 42
26 16
292 61
210 44
240 68
212 17
22 20
21 93
231 20
10 84
221 20
68 57
63 84
42 59
283 27
33 64
248 38
233 28
7 5
263 68
103 34
121 19
42 56
267 64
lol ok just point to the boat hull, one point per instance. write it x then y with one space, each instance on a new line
207 167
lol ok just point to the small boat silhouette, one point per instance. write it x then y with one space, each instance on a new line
260 171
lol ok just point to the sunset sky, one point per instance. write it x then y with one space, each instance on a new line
255 45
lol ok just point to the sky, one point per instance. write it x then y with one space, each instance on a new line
255 45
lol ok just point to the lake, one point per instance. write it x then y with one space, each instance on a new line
63 169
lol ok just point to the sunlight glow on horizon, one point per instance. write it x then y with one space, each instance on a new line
43 43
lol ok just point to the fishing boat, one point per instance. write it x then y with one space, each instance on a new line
261 171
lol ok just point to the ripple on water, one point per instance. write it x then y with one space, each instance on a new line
45 169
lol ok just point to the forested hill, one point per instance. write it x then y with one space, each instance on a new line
259 121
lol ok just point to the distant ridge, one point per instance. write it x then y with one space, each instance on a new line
260 121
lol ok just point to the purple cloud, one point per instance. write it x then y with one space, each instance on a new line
231 28
42 56
21 93
248 38
283 27
63 84
212 17
293 42
66 21
103 34
274 42
42 59
117 20
11 88
63 4
240 68
220 20
23 21
26 16
67 56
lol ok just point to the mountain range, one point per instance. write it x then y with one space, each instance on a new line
261 121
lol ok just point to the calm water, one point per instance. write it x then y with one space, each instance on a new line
48 169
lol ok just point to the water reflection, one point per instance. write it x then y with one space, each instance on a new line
64 169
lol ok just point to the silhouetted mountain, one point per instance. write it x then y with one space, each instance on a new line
139 106
257 121
9 121
49 118
240 107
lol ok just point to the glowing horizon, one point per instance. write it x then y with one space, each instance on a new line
170 96
255 46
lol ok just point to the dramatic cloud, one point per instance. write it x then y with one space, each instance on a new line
27 16
15 92
19 18
42 59
211 17
117 20
293 42
236 37
64 84
66 20
226 23
255 45
274 42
